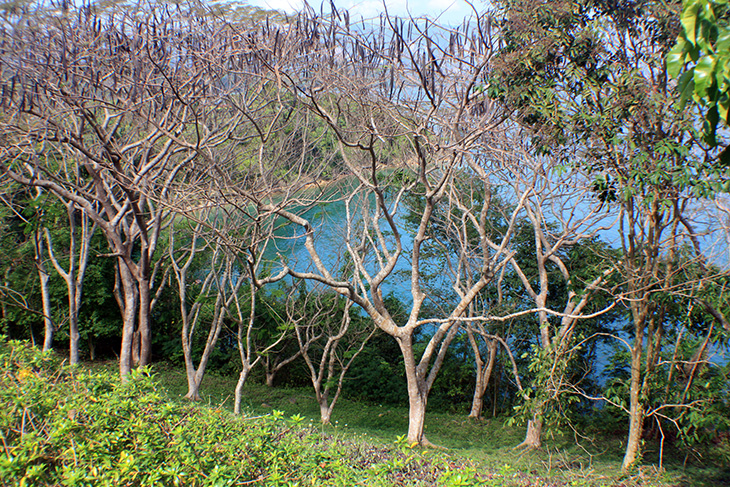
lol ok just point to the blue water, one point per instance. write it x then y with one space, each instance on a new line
330 232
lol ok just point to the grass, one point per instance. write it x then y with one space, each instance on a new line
486 444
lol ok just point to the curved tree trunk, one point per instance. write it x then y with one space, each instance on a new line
239 389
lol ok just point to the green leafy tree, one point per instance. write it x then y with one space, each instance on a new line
701 61
594 90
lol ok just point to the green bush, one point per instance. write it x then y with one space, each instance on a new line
74 427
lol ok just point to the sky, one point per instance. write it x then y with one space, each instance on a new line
450 12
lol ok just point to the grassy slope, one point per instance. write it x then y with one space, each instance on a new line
486 444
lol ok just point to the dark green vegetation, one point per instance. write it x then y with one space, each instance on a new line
76 427
518 221
79 426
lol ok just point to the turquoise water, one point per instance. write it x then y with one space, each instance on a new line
330 223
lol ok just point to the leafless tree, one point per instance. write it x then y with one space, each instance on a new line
198 285
483 371
127 99
329 343
562 213
412 89
79 247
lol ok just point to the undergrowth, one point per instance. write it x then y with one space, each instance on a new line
76 427
83 427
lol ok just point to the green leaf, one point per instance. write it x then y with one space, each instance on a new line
689 20
686 87
676 57
723 106
708 13
703 75
710 126
722 44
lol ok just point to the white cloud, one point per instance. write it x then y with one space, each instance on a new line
448 11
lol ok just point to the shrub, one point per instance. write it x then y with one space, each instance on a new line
74 427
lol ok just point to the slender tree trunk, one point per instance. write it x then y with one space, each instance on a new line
3 306
73 327
483 374
44 277
92 348
239 388
495 389
73 275
145 332
47 320
636 411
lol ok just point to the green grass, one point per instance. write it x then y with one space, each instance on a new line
82 426
487 444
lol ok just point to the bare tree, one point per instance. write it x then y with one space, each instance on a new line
483 371
562 214
198 285
119 97
328 343
79 246
413 89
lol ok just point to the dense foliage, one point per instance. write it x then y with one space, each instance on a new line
74 427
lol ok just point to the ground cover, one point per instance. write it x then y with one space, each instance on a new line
82 426
583 457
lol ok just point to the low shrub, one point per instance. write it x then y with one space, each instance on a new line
74 427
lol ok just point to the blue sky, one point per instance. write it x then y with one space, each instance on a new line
448 11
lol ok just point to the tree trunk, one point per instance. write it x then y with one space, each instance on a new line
47 321
73 353
477 402
239 389
270 376
73 324
193 383
145 333
417 394
92 348
533 437
483 375
636 411
129 312
416 417
325 412
45 293
325 409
